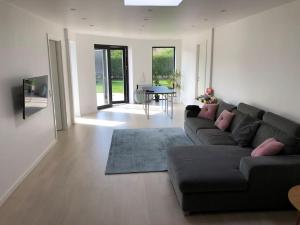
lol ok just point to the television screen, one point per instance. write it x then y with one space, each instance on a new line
35 95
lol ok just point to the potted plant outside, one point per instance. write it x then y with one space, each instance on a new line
156 83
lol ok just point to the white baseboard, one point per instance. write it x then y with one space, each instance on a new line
8 193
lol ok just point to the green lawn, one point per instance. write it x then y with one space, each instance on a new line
164 83
117 86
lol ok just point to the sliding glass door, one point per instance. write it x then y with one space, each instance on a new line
111 75
117 75
102 79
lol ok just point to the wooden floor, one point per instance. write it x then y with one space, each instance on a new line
69 186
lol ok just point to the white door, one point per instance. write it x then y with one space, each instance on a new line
56 84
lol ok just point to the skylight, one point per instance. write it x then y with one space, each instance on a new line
152 2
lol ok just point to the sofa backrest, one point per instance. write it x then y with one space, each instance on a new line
224 106
281 129
288 126
251 111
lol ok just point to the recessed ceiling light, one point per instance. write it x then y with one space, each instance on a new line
152 2
73 9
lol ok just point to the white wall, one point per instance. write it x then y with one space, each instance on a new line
23 53
140 64
257 60
74 75
189 65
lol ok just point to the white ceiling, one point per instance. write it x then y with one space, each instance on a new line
112 18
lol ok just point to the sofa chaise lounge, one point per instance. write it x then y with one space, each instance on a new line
216 174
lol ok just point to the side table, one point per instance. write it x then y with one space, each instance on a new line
294 197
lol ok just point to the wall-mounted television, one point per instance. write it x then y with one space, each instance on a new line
35 92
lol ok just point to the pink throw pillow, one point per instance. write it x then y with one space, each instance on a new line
208 111
224 120
262 145
269 147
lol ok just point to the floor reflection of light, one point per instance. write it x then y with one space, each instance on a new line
135 109
97 122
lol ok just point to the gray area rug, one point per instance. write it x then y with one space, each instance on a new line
142 150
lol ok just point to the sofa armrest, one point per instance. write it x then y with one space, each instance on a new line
276 172
191 111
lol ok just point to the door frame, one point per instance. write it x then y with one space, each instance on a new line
59 56
126 76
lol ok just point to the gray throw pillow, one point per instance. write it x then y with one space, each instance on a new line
245 131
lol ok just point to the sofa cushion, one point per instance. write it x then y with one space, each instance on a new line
224 120
224 106
266 131
289 127
251 110
245 131
215 137
208 111
196 169
192 135
198 123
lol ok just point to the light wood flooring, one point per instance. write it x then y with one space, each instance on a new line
69 187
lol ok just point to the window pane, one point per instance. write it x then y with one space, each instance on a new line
163 65
117 75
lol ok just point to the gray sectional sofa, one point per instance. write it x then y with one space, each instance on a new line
216 174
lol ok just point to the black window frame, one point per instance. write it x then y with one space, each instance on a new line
126 73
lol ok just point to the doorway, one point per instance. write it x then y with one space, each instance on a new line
55 58
111 66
